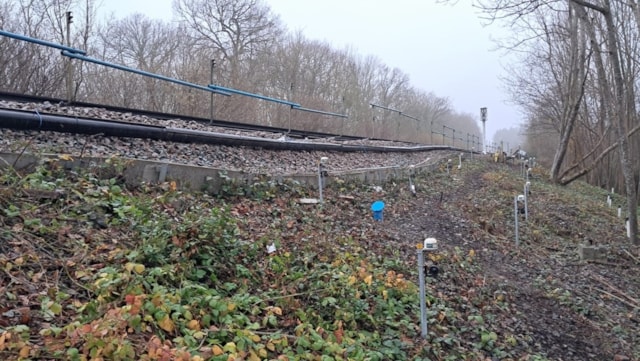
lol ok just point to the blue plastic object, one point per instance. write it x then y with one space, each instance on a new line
378 208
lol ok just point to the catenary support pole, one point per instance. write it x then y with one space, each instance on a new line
213 66
69 18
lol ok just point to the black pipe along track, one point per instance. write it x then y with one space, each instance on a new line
23 120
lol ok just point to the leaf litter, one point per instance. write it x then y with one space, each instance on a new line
93 270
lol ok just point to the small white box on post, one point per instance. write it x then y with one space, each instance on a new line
430 244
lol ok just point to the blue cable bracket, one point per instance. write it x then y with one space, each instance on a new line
409 116
385 108
252 95
141 72
320 112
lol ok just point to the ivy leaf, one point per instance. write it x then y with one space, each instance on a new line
368 280
56 308
138 268
230 347
166 324
217 350
253 356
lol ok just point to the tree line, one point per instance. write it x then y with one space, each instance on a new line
239 44
576 82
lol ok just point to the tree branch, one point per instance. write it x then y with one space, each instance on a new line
585 170
591 6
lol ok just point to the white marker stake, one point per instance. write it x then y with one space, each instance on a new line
515 208
526 209
619 212
628 229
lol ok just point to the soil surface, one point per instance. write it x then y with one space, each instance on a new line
568 308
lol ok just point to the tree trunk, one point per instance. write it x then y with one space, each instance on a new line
575 93
623 140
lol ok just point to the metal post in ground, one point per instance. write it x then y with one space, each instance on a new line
526 197
213 66
69 61
321 176
515 209
423 301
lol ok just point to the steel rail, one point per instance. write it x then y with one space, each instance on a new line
24 120
159 115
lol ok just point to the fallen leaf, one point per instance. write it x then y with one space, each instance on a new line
277 310
24 351
193 325
339 333
139 268
129 299
166 324
253 356
217 350
368 280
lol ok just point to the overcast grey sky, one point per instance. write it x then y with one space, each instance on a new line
443 48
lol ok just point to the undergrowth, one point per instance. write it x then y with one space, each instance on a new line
93 270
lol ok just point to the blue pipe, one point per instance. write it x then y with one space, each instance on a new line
42 42
141 72
258 96
319 112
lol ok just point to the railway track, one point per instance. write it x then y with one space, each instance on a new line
294 134
49 126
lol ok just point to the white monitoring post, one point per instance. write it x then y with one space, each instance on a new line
321 174
429 245
412 186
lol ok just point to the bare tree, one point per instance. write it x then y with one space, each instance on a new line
237 29
31 68
145 44
609 35
573 91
